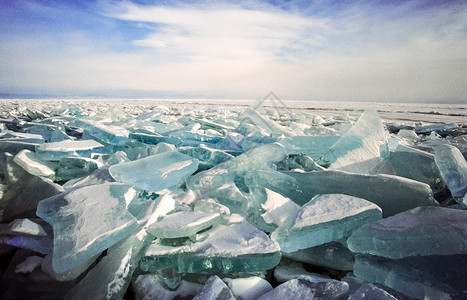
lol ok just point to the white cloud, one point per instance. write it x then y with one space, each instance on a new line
233 51
222 32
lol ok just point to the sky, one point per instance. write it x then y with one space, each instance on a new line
411 51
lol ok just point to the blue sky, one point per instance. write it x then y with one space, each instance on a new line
317 50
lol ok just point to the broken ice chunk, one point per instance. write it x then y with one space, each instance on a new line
21 198
324 219
289 269
421 231
155 139
393 194
155 172
453 168
249 288
420 277
29 264
59 150
358 150
26 226
253 116
74 167
208 157
278 208
308 287
109 134
215 289
183 224
149 286
21 136
416 164
11 170
34 165
40 244
299 162
332 255
370 291
111 277
69 275
227 249
441 129
313 146
87 221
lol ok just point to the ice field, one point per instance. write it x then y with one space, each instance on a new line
232 199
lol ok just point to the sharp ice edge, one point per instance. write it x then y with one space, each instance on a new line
280 172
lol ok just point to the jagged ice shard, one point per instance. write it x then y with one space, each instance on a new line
420 231
87 221
359 149
326 218
155 172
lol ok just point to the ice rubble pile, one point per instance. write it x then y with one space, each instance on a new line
164 203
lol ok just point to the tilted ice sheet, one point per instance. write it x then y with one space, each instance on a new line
87 221
326 218
421 231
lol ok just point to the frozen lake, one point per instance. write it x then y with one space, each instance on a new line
416 112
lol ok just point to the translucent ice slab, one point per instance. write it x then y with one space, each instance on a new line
416 164
29 161
227 249
111 277
420 231
155 172
420 277
59 150
183 224
393 194
313 146
87 221
453 168
326 218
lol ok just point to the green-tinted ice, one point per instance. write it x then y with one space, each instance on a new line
326 218
227 249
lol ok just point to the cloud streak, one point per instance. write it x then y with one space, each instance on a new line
358 52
